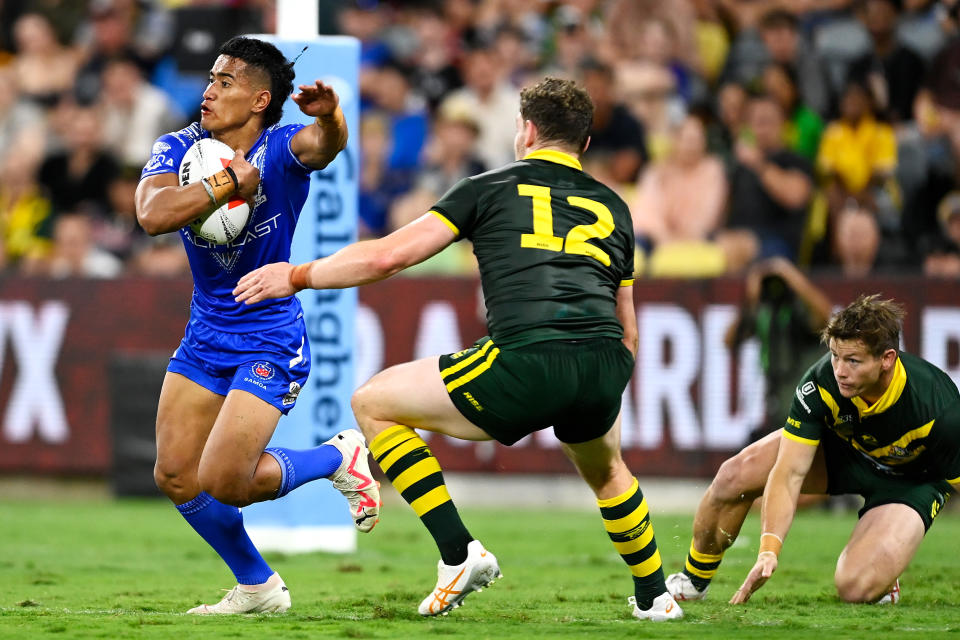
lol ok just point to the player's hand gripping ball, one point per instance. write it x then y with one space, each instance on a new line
222 225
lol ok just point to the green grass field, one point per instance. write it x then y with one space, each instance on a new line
100 569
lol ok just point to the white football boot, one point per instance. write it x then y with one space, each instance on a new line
681 588
664 607
354 480
273 597
454 583
893 596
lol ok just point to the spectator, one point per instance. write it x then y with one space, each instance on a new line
649 92
803 127
135 113
491 101
45 68
80 174
778 40
785 45
111 36
22 125
857 240
616 138
119 232
75 255
943 257
680 204
434 73
770 190
921 224
891 71
858 157
24 211
731 108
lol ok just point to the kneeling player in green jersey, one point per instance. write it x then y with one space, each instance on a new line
866 419
555 249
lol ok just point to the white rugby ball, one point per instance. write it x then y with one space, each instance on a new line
224 224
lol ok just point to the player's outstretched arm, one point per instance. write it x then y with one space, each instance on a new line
355 264
318 144
779 506
163 205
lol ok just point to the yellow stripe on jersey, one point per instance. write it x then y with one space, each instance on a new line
800 439
446 221
473 373
559 157
830 402
626 283
889 397
908 437
466 361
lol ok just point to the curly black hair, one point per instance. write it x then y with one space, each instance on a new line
268 59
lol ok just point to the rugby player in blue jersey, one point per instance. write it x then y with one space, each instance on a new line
239 367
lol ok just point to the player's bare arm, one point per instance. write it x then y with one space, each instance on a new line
628 318
163 205
318 144
779 506
357 264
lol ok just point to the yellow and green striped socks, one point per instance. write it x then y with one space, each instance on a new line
701 567
416 475
627 521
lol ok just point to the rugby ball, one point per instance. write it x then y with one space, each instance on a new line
224 224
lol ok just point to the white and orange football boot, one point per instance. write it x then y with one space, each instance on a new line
454 583
664 608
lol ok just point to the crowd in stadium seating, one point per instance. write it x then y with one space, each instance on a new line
823 131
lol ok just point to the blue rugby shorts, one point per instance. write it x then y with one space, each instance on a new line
272 364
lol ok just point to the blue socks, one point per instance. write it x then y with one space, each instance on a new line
222 527
300 467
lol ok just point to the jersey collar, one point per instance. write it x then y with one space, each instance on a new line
559 157
889 397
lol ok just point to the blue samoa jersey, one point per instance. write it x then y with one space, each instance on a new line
283 187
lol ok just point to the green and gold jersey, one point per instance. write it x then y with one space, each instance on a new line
553 246
913 430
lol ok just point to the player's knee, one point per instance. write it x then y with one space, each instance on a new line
173 483
362 403
856 587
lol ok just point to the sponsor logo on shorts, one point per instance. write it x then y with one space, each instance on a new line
472 400
291 396
263 370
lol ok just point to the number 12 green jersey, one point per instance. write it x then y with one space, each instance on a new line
553 246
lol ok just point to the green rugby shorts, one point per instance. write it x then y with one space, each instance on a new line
575 386
849 472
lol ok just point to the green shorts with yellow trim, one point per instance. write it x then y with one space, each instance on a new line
849 472
573 385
